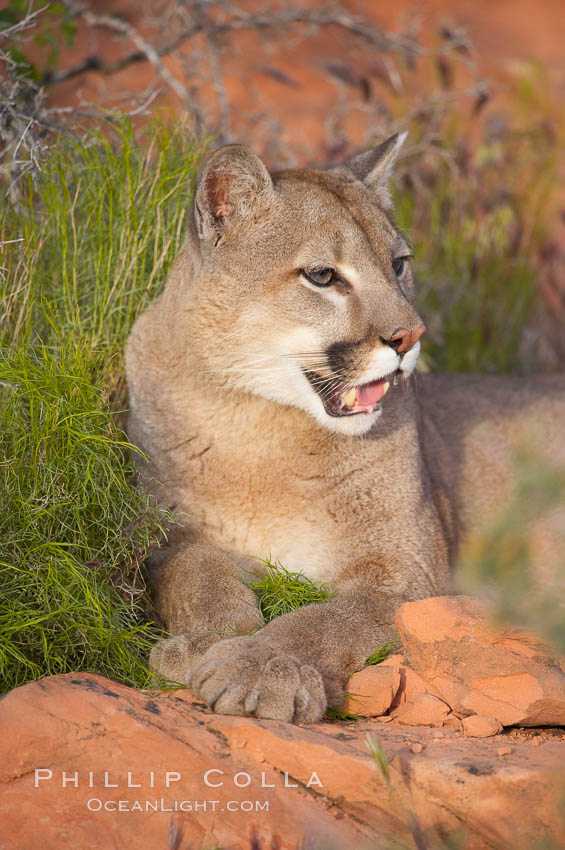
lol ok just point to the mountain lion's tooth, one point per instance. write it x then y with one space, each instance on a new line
386 387
350 398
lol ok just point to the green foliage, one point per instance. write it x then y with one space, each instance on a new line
334 714
499 563
100 230
54 24
380 654
281 591
379 756
473 219
13 13
84 252
73 529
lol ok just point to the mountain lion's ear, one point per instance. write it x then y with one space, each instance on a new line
233 182
375 167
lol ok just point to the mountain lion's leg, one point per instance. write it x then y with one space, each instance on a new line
298 663
202 598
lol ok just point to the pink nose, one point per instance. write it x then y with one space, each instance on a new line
403 340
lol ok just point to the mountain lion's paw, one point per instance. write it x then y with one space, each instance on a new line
174 658
242 676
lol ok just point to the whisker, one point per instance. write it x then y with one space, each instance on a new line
322 385
271 370
335 386
303 354
266 369
314 363
321 381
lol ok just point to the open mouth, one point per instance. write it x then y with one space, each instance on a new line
365 398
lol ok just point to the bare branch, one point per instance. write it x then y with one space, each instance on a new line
203 29
144 49
29 21
241 21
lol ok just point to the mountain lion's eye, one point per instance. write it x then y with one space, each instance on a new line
320 277
398 266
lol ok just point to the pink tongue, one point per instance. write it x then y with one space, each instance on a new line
369 394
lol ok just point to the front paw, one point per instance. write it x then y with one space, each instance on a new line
246 676
174 657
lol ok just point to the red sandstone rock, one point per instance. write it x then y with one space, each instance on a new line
478 668
479 726
423 710
334 795
411 684
452 720
395 660
411 687
371 691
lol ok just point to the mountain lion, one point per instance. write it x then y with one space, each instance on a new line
270 387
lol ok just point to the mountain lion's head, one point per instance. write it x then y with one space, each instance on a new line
304 289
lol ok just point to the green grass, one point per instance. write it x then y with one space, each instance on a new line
476 232
73 529
98 233
84 249
335 714
474 294
281 591
379 756
380 654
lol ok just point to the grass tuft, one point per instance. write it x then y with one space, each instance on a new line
73 528
97 234
281 591
379 655
335 714
472 214
94 240
379 756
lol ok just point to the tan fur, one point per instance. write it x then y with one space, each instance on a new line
241 446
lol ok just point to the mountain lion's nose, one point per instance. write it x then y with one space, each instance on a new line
403 340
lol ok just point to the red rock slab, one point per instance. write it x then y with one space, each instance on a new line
478 726
453 783
321 782
422 710
479 668
371 691
78 724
